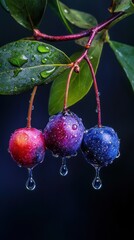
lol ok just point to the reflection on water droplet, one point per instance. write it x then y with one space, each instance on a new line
44 60
46 73
30 183
65 10
63 168
55 155
96 110
43 49
91 57
74 126
97 183
18 60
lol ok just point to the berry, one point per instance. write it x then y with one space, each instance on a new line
27 147
100 146
64 133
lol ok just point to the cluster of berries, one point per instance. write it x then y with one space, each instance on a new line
64 134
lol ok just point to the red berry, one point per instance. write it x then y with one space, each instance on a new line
27 147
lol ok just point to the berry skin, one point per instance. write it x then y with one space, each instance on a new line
64 133
100 146
27 147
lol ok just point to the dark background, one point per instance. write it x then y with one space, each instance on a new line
69 208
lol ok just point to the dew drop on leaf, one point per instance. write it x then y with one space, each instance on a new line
44 60
33 80
46 73
18 60
43 49
17 71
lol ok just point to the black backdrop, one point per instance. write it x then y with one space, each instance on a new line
69 208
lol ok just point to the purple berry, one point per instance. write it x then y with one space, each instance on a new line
64 133
100 146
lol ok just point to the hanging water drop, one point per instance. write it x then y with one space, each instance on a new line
97 183
63 168
30 183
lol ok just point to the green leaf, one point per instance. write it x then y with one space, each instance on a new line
28 13
122 5
25 63
56 6
80 83
125 56
3 4
78 18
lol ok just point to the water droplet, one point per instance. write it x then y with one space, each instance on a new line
118 155
44 60
55 155
99 94
45 74
97 183
18 60
17 71
30 183
43 49
33 58
91 57
15 89
74 126
63 168
32 107
65 10
96 110
33 80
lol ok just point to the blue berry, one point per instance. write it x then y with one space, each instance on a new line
64 133
100 146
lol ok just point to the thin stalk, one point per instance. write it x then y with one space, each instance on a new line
29 115
67 88
96 90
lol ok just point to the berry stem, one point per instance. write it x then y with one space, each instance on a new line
67 87
95 89
29 115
